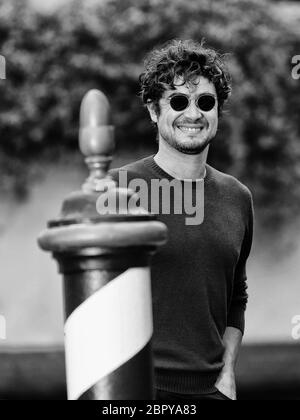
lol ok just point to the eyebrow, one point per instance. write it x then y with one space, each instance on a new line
174 94
187 95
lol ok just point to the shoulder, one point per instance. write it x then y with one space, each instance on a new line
231 186
133 169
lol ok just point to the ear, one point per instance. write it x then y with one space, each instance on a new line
152 112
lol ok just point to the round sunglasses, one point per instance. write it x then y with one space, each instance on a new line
205 102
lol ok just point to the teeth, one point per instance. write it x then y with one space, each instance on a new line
190 129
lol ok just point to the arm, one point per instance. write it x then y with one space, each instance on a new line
226 381
236 316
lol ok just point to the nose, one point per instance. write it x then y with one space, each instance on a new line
192 111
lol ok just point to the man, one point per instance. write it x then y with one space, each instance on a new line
199 277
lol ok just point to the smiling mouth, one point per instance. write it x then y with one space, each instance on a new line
190 129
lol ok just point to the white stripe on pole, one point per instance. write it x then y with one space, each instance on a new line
108 329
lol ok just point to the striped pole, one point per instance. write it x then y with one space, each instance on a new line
105 263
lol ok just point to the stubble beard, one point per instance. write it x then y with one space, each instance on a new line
187 149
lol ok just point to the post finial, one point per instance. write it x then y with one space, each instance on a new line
96 138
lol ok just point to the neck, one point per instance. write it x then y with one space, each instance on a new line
180 165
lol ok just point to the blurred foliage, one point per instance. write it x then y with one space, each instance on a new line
52 60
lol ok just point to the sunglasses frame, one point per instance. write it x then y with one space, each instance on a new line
189 101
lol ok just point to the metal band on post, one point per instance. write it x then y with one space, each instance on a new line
105 262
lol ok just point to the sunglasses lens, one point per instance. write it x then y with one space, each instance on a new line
179 102
206 103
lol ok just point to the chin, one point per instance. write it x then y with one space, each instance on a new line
192 149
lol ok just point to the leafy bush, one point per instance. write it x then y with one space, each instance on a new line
53 60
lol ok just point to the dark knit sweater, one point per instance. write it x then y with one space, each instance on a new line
198 281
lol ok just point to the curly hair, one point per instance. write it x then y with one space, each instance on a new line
188 60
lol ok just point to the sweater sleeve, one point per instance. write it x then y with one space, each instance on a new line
236 314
